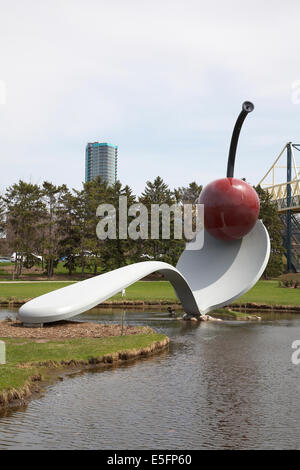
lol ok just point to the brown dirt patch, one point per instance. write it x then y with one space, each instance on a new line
68 329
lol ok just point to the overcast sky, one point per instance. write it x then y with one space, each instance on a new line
163 80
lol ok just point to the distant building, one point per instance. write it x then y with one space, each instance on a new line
101 159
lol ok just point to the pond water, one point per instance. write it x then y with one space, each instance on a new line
228 385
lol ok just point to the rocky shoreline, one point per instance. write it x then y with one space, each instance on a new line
67 330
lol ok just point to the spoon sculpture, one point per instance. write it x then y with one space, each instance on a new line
234 255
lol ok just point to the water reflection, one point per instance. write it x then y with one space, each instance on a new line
227 385
6 313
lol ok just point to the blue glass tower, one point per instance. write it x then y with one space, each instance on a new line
101 159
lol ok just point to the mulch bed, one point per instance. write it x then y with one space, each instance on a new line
68 329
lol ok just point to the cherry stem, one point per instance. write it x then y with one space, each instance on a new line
246 108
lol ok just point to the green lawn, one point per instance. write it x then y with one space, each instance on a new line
60 271
266 292
26 351
156 290
3 273
149 290
21 291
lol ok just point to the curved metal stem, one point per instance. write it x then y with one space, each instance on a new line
246 108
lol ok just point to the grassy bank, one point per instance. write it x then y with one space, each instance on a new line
28 361
266 292
232 314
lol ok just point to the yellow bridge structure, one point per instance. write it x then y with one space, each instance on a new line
286 196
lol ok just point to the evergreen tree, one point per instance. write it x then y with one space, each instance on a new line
2 217
68 231
25 210
79 243
158 192
52 197
119 252
189 194
94 192
270 217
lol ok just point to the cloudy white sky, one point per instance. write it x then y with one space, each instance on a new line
164 80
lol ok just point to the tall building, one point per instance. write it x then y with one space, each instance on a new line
101 159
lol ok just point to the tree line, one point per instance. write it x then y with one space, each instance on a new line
60 224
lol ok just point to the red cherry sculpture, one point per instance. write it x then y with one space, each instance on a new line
231 206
